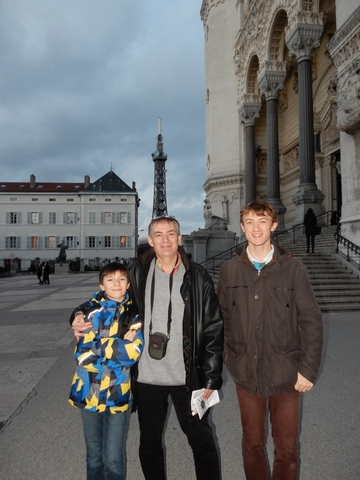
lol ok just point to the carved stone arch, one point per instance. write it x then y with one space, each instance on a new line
276 39
250 52
252 87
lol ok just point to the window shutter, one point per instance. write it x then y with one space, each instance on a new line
46 242
64 217
7 242
102 217
128 242
76 217
40 217
8 218
40 242
19 215
117 242
28 242
57 241
18 242
117 217
129 217
76 239
87 243
29 217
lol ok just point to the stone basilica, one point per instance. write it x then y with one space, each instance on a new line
283 108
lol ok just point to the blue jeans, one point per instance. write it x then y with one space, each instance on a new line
152 402
105 445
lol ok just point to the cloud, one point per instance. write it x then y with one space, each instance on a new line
83 83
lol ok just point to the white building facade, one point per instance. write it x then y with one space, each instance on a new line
283 108
96 221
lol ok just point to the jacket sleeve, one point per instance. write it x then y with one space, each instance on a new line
311 328
94 351
212 337
223 302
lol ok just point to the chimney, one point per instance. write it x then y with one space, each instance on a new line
32 181
87 180
134 186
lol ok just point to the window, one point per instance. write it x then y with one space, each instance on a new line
34 218
123 241
52 242
107 217
92 242
52 217
70 242
12 242
107 241
34 242
92 217
69 217
123 217
13 217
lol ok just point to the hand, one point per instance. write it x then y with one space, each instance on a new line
130 335
302 384
207 393
79 325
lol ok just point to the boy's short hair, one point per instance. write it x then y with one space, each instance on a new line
259 207
113 267
167 219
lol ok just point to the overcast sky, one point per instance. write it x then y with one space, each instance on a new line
82 85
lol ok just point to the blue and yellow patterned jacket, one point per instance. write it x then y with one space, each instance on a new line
102 381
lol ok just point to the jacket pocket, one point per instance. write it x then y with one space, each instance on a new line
236 362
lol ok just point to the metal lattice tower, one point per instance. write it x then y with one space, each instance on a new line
159 158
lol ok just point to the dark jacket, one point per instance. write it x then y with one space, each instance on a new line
310 224
202 323
273 326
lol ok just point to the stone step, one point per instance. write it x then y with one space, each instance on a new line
337 288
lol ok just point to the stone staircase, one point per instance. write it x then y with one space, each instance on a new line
336 285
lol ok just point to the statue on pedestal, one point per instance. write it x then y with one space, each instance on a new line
62 253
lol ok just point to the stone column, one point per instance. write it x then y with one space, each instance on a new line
270 83
301 41
248 112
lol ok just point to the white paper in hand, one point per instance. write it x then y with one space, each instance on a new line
199 405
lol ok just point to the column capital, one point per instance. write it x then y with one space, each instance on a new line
271 81
302 38
249 109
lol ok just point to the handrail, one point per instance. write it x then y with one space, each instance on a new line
350 246
216 260
297 227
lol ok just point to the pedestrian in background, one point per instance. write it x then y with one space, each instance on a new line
310 222
39 273
46 273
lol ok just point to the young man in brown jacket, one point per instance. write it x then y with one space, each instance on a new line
273 342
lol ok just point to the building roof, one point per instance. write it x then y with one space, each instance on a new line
109 182
41 187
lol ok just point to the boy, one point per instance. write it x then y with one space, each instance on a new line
273 342
110 345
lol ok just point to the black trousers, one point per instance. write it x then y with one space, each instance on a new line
308 239
152 402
